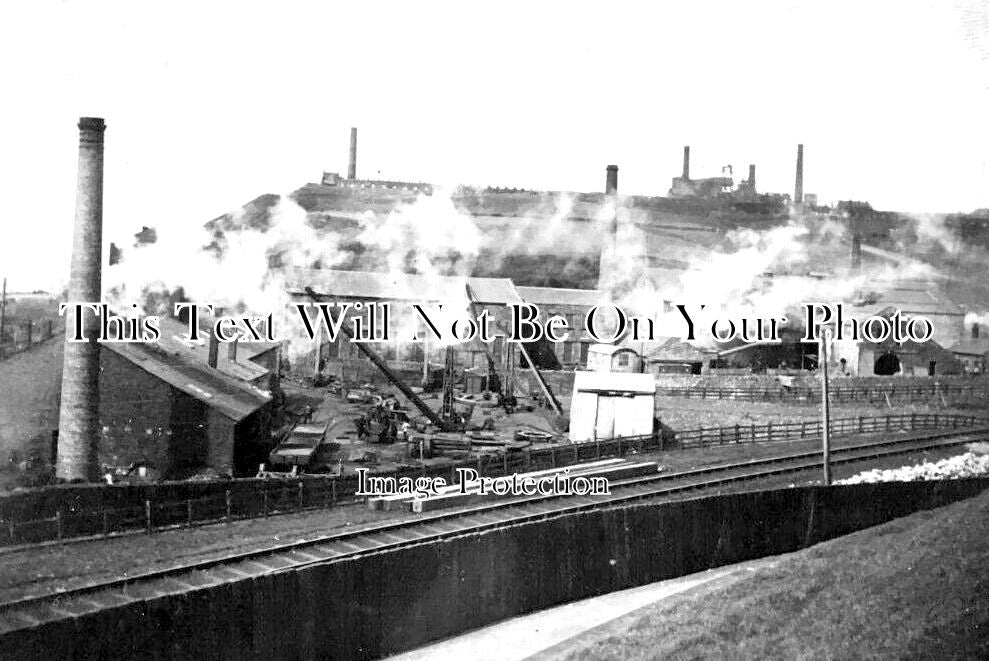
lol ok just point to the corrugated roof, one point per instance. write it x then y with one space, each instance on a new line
183 365
609 349
230 397
365 285
975 346
560 296
676 349
912 297
174 340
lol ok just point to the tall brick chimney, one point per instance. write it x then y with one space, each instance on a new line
611 182
798 189
78 423
686 163
352 165
752 175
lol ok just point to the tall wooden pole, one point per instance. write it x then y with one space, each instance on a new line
318 355
3 313
425 361
825 408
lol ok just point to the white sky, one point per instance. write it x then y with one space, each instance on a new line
210 104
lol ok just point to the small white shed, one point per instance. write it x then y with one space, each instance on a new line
609 405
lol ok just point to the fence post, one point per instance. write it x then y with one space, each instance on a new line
301 499
721 435
333 490
227 517
738 435
861 424
752 429
147 514
58 523
769 432
264 501
803 428
913 421
188 511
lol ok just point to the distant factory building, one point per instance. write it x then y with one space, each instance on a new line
973 352
401 291
684 186
675 356
573 305
914 299
892 359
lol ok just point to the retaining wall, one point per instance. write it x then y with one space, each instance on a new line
390 601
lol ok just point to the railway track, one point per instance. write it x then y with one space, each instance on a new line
31 610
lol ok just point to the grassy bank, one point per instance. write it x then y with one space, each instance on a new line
913 588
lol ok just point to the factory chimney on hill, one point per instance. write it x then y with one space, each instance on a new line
78 423
798 190
686 163
611 182
752 176
352 165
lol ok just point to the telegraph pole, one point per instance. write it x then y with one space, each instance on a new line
825 408
3 313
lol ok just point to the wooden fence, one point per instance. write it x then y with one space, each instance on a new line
838 393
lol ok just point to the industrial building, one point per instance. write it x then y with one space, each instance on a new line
675 356
161 405
973 352
573 305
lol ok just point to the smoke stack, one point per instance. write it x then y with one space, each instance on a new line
975 331
611 182
752 175
856 252
352 166
686 162
78 422
798 191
